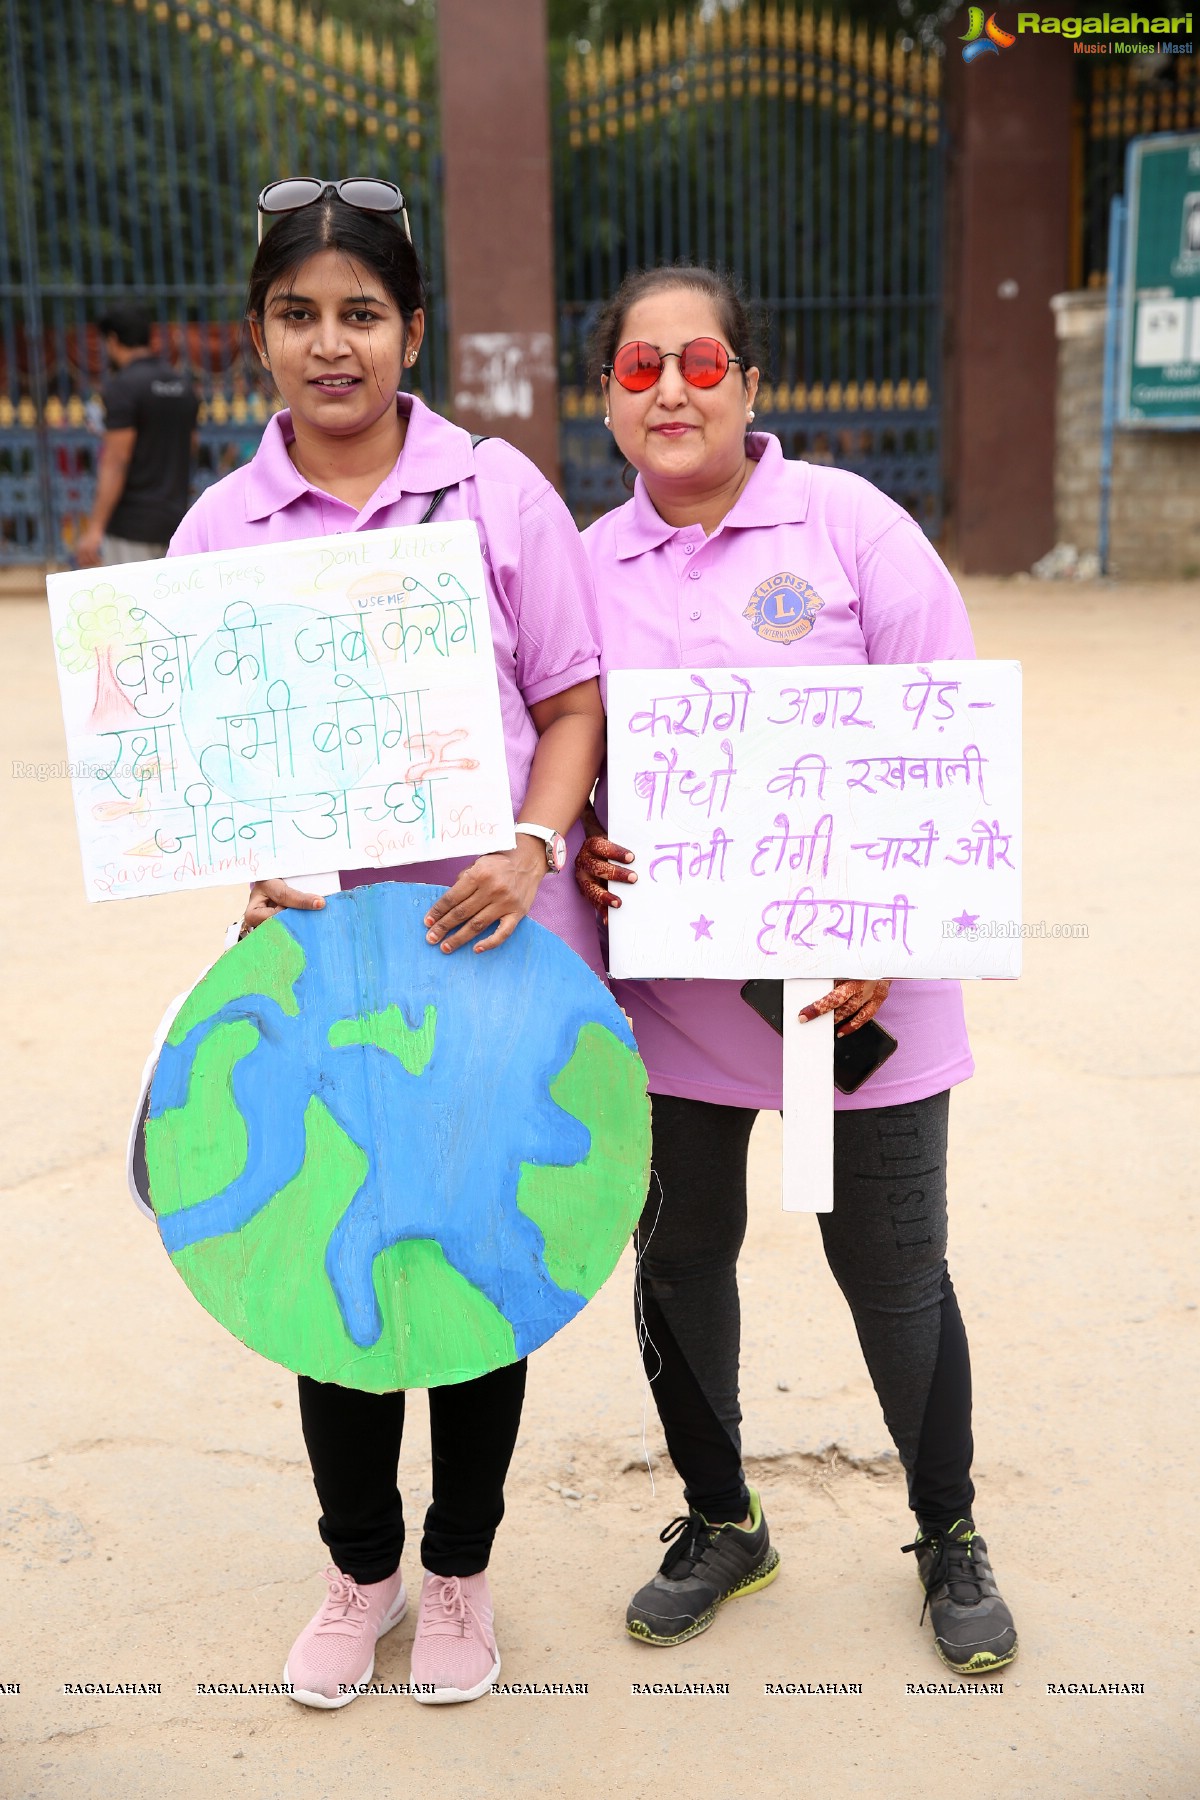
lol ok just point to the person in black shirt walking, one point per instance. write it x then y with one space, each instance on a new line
150 412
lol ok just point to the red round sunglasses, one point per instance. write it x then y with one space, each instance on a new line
703 363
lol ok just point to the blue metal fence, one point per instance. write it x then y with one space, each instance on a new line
803 153
806 155
136 136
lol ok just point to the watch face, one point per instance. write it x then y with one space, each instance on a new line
556 853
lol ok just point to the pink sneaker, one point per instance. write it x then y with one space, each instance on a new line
454 1652
336 1650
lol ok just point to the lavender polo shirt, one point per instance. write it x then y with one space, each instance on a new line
877 593
539 589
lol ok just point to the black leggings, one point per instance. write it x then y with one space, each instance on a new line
353 1444
885 1241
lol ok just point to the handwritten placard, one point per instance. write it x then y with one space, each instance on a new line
854 822
328 703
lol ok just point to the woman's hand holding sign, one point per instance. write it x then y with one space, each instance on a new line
852 1003
599 862
498 889
275 896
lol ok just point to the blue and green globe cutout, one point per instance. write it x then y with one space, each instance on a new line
387 1167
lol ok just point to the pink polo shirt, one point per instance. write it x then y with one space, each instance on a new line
812 565
539 589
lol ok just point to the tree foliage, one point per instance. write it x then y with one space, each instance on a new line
594 20
591 21
99 620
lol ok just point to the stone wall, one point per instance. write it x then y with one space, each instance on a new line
1155 517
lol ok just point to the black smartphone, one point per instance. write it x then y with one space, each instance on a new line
855 1058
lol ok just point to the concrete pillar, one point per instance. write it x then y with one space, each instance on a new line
1008 238
498 211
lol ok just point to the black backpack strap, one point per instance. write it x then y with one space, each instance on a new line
442 492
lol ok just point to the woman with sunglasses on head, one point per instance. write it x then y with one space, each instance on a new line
728 556
336 310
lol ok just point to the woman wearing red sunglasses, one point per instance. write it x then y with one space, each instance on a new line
728 556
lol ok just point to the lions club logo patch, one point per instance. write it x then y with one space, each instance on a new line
783 608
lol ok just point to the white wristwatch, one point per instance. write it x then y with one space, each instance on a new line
556 844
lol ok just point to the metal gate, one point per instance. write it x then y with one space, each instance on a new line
137 135
807 156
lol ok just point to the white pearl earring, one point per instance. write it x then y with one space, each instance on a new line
608 421
749 413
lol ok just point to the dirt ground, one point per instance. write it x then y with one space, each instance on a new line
157 1522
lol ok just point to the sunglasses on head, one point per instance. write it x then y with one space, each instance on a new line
703 363
367 192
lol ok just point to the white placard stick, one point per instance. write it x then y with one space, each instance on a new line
807 1101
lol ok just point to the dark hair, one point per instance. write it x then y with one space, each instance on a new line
329 224
723 289
129 323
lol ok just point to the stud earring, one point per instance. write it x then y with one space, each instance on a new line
412 357
749 413
608 421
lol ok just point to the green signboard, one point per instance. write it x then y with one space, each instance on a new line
1160 348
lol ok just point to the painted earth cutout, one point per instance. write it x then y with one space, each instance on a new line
387 1167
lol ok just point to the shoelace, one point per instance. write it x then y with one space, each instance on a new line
691 1538
344 1592
953 1563
446 1611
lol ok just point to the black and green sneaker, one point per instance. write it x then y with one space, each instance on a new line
973 1630
705 1566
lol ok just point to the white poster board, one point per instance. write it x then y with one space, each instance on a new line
283 710
850 822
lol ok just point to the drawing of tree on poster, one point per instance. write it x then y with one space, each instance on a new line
100 623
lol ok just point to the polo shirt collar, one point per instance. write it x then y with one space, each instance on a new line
436 454
776 494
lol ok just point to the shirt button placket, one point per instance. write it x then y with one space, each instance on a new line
690 610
